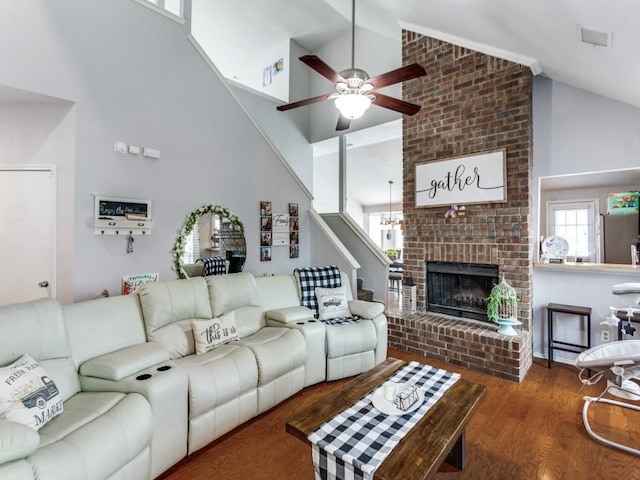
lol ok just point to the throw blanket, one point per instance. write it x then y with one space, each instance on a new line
355 442
342 321
312 277
213 265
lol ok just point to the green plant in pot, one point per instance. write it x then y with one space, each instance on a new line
502 307
392 254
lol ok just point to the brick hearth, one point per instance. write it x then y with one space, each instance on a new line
471 103
466 343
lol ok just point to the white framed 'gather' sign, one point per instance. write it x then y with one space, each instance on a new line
478 178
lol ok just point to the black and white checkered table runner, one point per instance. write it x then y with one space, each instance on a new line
353 444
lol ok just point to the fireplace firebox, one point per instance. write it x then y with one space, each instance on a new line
459 289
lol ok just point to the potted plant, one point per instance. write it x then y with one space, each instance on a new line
392 254
502 307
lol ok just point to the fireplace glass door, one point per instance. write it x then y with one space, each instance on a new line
460 289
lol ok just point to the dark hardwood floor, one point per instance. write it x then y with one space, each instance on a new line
531 430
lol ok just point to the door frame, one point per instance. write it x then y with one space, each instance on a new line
52 169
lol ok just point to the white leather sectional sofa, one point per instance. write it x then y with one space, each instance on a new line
136 397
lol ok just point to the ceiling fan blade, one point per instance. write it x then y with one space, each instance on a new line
343 123
398 75
322 68
302 103
395 104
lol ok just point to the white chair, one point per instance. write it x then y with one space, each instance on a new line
619 363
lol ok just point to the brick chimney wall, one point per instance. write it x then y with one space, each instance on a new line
472 103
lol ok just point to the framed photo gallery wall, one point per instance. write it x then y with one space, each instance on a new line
278 230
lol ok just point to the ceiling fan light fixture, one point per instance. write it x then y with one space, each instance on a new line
352 105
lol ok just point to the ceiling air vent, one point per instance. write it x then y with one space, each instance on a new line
596 38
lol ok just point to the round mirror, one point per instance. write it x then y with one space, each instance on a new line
209 232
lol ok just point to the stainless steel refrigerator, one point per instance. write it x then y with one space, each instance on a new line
619 232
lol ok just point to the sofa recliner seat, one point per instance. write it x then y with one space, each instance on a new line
97 435
234 382
279 352
353 348
109 346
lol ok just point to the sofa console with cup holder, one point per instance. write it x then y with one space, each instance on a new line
127 386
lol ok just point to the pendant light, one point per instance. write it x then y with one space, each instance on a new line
389 223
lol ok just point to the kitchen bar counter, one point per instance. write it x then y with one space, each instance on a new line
589 267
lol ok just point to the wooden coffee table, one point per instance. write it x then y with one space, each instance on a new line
436 438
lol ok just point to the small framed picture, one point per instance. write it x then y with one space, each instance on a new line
294 251
265 224
265 254
293 238
265 209
293 224
293 209
265 239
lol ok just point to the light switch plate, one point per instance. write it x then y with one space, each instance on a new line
150 152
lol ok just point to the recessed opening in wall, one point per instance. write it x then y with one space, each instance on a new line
459 289
577 207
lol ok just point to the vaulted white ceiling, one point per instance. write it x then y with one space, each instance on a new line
542 31
542 34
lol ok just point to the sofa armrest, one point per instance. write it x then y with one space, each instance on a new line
365 309
16 441
122 363
290 314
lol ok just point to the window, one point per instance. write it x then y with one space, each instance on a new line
576 222
191 247
169 8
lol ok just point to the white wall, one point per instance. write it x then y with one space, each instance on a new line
577 131
282 131
44 133
326 175
135 77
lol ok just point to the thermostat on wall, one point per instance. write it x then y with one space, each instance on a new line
120 148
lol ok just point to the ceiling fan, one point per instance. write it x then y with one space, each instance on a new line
355 91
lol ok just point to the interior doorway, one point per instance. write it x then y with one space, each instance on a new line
28 200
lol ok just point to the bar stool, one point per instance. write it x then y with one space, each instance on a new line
394 281
565 346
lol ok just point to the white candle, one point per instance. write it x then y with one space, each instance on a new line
390 391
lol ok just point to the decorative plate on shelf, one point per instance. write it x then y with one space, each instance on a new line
555 247
388 408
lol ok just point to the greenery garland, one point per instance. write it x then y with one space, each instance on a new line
185 231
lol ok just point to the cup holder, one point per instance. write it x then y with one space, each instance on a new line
164 368
144 376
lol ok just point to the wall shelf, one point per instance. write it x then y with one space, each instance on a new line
122 216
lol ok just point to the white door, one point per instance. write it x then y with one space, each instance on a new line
27 234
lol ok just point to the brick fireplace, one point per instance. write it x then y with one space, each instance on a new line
471 103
